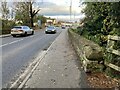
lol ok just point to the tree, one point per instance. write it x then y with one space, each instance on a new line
22 13
32 11
25 12
5 10
42 18
102 18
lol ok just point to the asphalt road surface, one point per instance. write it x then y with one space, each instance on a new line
19 52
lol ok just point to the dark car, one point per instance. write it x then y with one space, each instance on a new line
63 27
50 29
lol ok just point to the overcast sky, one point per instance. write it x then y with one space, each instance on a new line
59 9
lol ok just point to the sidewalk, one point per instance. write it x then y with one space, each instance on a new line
6 35
59 68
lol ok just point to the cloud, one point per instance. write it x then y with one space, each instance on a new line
59 9
55 10
54 7
49 8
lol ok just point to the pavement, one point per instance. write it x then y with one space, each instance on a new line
60 67
6 35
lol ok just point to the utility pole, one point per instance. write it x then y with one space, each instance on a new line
74 15
70 9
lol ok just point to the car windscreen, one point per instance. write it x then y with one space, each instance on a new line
50 27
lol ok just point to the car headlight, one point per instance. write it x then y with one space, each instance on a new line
53 30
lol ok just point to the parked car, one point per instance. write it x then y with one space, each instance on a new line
21 30
50 29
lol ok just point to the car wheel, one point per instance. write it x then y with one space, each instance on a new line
14 35
45 32
25 34
32 32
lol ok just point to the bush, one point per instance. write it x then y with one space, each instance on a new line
102 19
112 73
6 26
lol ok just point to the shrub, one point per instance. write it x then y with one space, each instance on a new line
7 25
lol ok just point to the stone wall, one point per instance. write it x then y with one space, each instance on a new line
90 53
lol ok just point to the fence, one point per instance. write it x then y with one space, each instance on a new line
110 49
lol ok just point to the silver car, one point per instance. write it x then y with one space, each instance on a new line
50 29
21 30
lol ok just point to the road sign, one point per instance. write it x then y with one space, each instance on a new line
39 23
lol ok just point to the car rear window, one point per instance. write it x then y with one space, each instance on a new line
17 27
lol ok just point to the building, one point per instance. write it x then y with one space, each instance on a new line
50 21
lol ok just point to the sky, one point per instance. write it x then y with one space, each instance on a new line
59 9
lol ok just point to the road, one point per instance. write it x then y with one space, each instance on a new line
19 52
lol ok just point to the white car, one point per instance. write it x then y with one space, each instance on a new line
21 30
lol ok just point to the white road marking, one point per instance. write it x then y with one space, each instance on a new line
4 45
14 42
11 42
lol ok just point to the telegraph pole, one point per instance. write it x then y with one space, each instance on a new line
70 9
